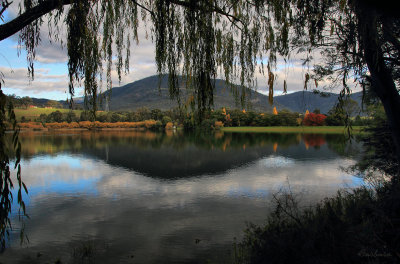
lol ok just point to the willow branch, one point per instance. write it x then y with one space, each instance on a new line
215 8
5 5
144 8
10 28
30 15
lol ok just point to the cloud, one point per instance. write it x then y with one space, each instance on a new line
51 53
43 82
293 71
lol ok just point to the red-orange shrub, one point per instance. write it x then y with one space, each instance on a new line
313 119
31 125
169 126
63 125
313 140
149 123
86 124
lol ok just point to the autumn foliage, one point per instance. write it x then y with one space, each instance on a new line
62 125
31 125
147 124
218 124
313 119
313 140
169 126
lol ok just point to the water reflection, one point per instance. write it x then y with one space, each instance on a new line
179 156
147 198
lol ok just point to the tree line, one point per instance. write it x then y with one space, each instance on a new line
213 119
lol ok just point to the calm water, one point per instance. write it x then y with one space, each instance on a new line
142 197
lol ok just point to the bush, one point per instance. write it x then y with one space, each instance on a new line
86 124
103 118
169 126
149 123
189 123
158 125
57 125
286 118
207 124
56 116
86 116
166 119
71 117
115 118
31 125
336 117
313 119
218 124
360 226
42 118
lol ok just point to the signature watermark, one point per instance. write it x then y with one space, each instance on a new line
374 253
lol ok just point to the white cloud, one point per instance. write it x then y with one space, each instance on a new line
44 81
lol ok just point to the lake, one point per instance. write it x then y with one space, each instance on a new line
144 197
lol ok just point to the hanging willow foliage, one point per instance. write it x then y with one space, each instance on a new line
7 118
195 40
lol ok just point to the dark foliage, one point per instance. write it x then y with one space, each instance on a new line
360 226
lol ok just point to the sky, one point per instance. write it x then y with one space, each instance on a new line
51 72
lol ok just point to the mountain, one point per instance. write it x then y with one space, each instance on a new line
305 100
145 93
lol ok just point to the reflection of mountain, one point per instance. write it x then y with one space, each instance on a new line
184 155
168 163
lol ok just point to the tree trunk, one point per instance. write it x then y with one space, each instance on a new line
381 77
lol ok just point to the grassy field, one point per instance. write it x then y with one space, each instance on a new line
297 129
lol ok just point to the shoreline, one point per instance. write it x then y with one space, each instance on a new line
45 129
295 129
271 129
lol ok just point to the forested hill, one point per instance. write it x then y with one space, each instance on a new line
305 100
145 93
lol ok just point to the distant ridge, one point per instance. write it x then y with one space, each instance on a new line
145 93
305 100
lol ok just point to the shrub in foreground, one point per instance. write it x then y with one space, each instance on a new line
360 226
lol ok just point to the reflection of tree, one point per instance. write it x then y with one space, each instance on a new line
379 151
162 155
340 145
51 143
314 140
36 143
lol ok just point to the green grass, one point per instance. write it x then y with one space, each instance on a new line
33 113
292 129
